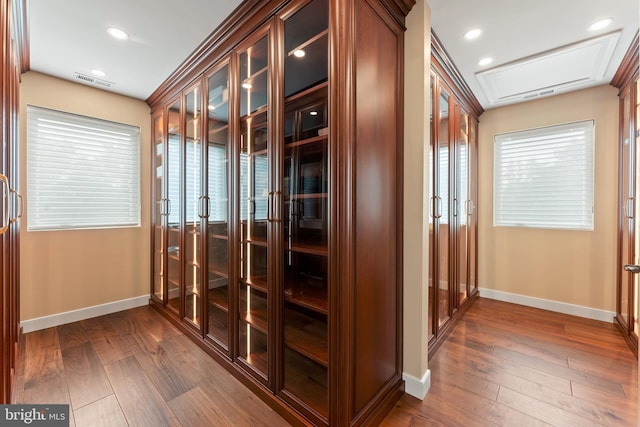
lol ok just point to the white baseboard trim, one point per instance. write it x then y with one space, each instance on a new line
417 387
545 304
82 314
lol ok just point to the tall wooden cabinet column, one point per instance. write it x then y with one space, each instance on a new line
13 39
276 241
453 195
626 79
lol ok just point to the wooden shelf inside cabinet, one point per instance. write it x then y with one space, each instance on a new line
306 336
218 236
307 381
256 282
219 297
217 130
256 318
254 241
258 360
310 298
309 248
217 269
173 256
319 138
306 196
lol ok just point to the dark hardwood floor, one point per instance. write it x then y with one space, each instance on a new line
502 365
510 365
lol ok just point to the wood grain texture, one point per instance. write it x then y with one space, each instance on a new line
85 375
105 412
134 368
506 364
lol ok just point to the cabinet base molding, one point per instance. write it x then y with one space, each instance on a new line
545 304
417 387
58 319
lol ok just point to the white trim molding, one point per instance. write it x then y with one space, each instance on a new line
417 387
82 314
545 304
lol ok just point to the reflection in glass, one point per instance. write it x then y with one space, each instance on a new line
254 198
193 123
158 208
173 206
443 225
305 190
462 180
218 206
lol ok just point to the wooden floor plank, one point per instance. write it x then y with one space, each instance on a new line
141 403
105 412
85 375
194 408
71 335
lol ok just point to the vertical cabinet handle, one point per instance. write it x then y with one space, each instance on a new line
16 203
5 219
20 205
168 202
272 200
628 207
203 206
439 207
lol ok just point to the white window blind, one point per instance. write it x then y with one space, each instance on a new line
544 177
218 183
81 172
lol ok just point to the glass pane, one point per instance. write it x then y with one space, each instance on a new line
432 220
443 224
192 197
173 206
627 150
462 179
253 209
217 192
472 222
305 194
254 77
158 209
306 47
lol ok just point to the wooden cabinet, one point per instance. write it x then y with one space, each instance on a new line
278 211
453 161
626 79
12 37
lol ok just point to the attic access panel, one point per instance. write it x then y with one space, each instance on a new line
558 70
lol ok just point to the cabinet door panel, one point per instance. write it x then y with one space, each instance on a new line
174 252
217 229
461 206
256 207
442 159
159 206
193 205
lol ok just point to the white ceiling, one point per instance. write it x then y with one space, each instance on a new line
69 36
518 29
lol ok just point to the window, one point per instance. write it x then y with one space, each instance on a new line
544 177
81 172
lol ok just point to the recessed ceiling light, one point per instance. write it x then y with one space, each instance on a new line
485 61
313 113
98 73
299 53
602 23
247 85
117 33
211 107
473 34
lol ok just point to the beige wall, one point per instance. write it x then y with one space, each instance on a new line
68 270
416 184
575 267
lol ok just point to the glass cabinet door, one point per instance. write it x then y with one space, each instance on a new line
193 205
472 197
443 207
433 215
305 210
461 205
255 202
159 207
217 270
174 253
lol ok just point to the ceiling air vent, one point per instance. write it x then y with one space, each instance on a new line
92 80
554 71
